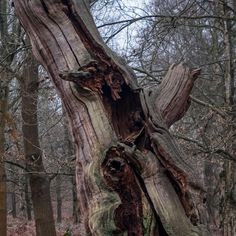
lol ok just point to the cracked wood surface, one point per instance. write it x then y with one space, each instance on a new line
105 108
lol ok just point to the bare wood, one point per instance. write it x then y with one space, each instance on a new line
105 107
172 100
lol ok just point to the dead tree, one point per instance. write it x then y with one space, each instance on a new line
131 175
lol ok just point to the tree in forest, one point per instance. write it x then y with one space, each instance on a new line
38 178
7 52
130 172
11 47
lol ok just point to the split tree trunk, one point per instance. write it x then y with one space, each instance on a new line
39 181
131 175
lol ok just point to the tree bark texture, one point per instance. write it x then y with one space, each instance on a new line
12 190
131 175
76 213
3 115
3 188
39 181
59 200
27 198
229 210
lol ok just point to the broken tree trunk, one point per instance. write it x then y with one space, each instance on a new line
131 175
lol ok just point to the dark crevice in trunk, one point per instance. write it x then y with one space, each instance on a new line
94 45
177 177
125 113
122 104
121 178
44 6
79 27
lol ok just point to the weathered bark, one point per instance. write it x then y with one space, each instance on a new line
39 181
131 177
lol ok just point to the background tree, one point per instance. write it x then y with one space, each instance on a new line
7 45
39 180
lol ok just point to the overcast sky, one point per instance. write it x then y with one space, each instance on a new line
121 10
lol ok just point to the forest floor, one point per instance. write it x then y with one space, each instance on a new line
22 227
